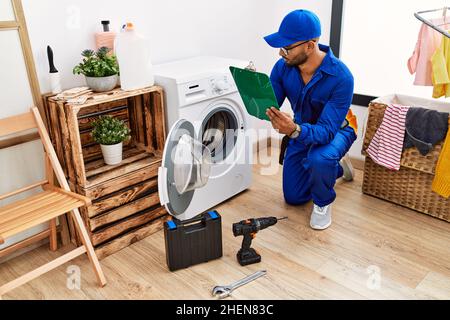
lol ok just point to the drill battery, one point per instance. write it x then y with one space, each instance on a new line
193 241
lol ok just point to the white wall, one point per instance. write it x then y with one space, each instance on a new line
378 37
377 40
178 29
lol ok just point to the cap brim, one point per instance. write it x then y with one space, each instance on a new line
276 41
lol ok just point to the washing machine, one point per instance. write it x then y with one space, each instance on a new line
202 101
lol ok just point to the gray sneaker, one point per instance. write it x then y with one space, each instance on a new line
346 164
321 217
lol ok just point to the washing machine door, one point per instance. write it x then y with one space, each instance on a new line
186 166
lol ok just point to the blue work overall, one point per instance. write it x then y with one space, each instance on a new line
311 164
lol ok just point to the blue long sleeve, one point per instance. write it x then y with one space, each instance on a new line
321 105
332 117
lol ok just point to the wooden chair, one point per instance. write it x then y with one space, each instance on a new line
45 206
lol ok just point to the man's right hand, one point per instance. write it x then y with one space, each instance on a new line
281 121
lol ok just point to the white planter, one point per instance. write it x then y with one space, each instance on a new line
112 154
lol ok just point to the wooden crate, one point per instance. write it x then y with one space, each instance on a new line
142 110
125 203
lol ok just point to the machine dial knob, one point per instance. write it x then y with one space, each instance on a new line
221 85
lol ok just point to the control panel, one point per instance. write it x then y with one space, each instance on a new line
207 88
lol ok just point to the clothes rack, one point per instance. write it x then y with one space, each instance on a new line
432 25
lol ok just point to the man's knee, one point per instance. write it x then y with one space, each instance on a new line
294 196
322 157
296 199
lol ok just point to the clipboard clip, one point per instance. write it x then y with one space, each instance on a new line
251 67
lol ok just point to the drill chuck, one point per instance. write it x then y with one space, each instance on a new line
264 223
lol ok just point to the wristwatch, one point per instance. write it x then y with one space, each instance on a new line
296 133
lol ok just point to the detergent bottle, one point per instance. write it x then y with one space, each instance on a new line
133 55
105 38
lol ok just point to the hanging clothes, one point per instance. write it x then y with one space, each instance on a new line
386 146
424 129
441 69
419 63
441 182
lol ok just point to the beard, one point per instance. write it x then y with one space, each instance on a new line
301 59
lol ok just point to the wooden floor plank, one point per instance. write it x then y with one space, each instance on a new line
410 249
366 281
436 285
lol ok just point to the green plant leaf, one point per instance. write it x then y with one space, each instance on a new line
108 130
97 64
87 53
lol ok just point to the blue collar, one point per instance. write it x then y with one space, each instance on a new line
329 62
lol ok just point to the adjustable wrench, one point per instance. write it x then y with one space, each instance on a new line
222 292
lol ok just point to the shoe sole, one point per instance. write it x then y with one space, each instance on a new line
321 228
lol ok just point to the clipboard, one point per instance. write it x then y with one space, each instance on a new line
256 91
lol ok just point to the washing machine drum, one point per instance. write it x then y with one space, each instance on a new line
215 131
186 166
219 133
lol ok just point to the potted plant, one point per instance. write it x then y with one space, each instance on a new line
110 133
100 69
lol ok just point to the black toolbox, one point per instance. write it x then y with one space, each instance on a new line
193 241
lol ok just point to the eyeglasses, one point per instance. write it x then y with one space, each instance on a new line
286 50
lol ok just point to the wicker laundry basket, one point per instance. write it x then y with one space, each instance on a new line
411 186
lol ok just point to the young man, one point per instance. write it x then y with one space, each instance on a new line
320 89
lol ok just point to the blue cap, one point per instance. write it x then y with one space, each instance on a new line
299 25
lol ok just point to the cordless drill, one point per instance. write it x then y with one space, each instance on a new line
249 228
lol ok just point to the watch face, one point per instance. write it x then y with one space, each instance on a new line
296 132
295 135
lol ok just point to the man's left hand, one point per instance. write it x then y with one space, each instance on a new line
282 122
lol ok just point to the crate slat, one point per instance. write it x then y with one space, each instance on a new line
130 237
122 197
134 221
110 173
120 183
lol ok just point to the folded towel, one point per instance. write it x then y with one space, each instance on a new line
441 182
386 146
425 128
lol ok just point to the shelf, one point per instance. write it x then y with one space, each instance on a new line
114 95
134 159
